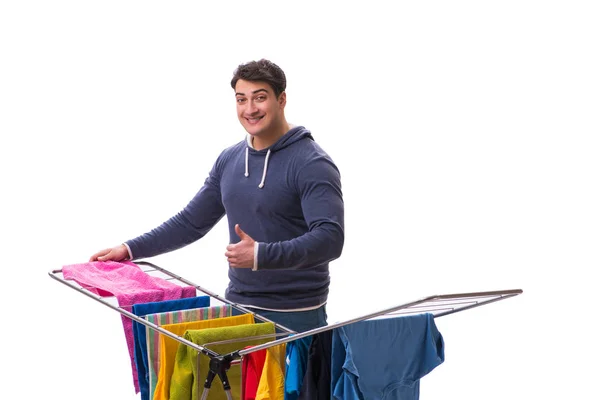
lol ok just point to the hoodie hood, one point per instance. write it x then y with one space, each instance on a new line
292 136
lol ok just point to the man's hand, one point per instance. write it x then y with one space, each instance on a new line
117 253
241 254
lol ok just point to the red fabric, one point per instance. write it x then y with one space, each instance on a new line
252 366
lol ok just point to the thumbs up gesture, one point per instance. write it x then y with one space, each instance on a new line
241 254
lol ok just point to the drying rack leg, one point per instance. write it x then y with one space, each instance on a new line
206 391
217 366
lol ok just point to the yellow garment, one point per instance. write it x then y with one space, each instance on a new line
168 347
189 373
272 380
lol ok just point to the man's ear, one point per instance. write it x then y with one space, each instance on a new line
282 99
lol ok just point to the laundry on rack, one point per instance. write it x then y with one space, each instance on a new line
175 317
296 362
380 358
252 367
316 384
271 385
130 285
188 374
140 348
384 358
168 347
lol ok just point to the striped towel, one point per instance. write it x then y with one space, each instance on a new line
175 317
139 332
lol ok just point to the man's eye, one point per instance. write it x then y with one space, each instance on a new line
241 100
260 98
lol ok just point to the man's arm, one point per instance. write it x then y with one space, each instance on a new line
193 222
319 185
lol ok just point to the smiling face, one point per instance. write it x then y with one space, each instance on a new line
260 112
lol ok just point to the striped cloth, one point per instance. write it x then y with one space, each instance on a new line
174 317
140 350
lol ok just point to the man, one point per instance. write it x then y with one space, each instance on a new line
282 196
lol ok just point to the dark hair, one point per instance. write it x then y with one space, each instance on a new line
261 70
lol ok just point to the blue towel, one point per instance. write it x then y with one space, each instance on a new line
384 358
139 332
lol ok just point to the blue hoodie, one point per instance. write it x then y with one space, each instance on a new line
288 198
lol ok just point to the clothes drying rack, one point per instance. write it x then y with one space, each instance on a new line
219 364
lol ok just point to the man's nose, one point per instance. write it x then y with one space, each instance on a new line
251 108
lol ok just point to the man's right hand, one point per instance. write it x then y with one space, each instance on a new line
117 253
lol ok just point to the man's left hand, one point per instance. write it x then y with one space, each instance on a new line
241 254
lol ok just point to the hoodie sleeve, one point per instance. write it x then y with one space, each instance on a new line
200 215
319 186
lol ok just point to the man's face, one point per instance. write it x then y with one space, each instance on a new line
259 111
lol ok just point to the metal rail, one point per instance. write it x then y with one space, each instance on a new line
475 299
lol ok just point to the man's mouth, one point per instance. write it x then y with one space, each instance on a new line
254 121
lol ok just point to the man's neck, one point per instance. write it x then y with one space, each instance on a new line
259 143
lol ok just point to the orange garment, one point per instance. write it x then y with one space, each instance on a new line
168 347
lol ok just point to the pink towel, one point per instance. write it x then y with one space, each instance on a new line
130 285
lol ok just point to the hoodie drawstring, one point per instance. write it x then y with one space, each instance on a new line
262 182
246 174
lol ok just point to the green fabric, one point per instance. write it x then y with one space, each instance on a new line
186 379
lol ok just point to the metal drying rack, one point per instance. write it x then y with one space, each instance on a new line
437 305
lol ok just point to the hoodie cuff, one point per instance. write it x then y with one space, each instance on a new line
255 266
129 251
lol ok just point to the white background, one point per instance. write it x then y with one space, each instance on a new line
466 133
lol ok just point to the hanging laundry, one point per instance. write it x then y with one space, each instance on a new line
317 379
168 347
272 381
252 367
130 285
384 358
140 348
175 317
296 360
187 379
